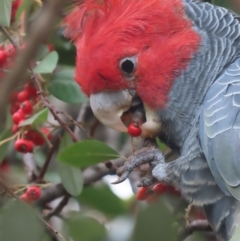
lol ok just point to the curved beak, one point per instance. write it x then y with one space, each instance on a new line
108 107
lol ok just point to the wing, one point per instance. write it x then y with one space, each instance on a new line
219 130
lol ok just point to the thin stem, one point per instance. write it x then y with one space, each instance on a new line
4 30
59 207
47 162
8 139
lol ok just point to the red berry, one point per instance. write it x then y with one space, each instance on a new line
33 193
25 198
47 133
174 191
18 116
3 57
36 137
15 129
4 166
23 146
23 95
10 49
142 193
15 107
134 130
26 107
16 3
152 198
159 188
32 91
15 6
31 135
50 47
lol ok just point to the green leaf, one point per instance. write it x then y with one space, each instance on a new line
155 223
4 147
5 12
102 199
40 157
18 222
42 52
161 146
36 119
87 153
64 88
24 5
71 177
48 63
85 229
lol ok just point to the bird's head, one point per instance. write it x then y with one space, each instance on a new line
129 48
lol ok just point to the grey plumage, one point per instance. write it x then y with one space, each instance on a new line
208 88
220 128
219 133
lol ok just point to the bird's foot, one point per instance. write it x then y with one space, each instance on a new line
151 155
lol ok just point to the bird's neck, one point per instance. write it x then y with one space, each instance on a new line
190 87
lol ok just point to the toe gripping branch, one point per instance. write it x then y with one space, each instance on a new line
143 156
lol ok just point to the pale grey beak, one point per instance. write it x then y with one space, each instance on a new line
108 107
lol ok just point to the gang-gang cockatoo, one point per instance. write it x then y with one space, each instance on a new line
180 60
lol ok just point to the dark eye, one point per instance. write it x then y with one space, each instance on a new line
128 65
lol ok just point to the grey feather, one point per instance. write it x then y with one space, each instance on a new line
220 133
210 88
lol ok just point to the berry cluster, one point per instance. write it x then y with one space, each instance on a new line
7 54
31 195
21 108
150 195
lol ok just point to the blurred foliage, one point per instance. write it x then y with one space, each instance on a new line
222 3
19 222
103 199
85 229
155 223
5 12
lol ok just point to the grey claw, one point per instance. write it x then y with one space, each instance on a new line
122 178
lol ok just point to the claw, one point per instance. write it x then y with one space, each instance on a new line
122 178
143 156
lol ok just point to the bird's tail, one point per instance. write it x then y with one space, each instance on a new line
223 216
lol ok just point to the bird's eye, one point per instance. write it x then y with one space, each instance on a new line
128 65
